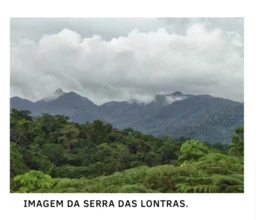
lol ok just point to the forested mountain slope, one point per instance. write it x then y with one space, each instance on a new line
176 115
52 154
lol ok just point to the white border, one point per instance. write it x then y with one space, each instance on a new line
207 206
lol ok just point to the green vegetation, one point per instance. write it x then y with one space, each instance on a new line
53 154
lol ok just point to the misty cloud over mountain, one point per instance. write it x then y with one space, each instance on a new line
200 117
201 56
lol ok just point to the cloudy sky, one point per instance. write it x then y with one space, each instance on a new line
108 59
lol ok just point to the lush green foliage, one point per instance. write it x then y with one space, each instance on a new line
32 181
53 154
192 150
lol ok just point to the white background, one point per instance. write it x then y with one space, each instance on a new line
200 206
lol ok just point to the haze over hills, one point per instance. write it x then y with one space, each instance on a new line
200 117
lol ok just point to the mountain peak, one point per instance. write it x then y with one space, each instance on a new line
59 92
56 94
177 93
168 99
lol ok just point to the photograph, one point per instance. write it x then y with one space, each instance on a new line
126 105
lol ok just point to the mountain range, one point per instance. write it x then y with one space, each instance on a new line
202 117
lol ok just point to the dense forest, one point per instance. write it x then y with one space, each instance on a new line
53 154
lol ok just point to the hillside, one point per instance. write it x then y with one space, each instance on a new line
202 117
53 154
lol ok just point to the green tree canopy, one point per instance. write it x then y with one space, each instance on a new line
33 180
192 150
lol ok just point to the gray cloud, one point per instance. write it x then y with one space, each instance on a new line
108 59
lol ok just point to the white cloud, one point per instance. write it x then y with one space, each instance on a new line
136 66
170 99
